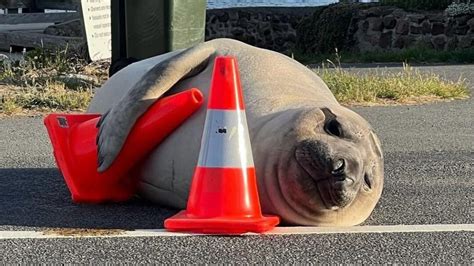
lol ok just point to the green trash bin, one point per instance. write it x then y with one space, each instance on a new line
143 28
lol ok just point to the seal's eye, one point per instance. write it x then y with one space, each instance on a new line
334 128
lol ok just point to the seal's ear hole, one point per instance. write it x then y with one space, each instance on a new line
367 183
333 127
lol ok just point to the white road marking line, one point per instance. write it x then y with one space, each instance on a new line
422 228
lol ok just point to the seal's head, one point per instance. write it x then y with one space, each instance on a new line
325 167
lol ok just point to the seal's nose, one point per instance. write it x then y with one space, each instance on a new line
339 168
342 183
339 172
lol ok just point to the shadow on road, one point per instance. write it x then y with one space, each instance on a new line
38 197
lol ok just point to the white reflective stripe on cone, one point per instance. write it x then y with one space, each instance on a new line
225 141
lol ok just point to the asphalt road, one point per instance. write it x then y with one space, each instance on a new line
429 170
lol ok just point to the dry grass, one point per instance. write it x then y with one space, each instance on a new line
42 81
52 96
45 82
409 86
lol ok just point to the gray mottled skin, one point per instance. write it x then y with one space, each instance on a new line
317 163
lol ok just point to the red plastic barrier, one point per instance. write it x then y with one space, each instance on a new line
73 137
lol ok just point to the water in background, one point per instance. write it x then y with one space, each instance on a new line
211 4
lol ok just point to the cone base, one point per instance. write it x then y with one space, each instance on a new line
59 128
182 222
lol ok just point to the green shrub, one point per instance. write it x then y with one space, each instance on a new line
456 9
421 4
327 29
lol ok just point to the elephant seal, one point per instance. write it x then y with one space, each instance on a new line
317 162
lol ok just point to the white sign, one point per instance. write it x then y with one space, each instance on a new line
97 26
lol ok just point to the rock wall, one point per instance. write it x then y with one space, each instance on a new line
372 29
391 28
272 28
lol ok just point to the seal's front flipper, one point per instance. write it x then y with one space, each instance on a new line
116 125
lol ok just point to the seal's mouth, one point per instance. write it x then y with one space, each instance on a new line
329 197
336 187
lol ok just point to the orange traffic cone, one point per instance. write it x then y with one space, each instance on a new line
73 137
224 194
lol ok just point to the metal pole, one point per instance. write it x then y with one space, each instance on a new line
143 28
